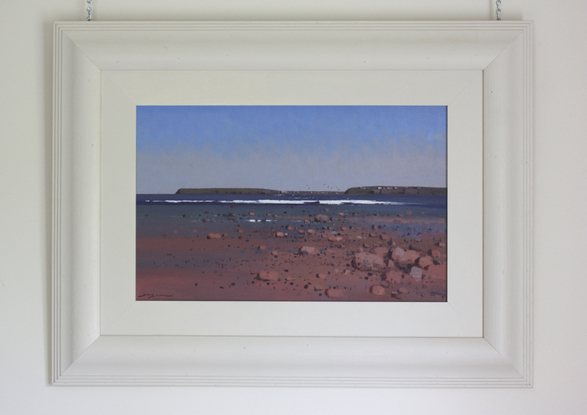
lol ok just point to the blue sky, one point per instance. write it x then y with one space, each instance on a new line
289 147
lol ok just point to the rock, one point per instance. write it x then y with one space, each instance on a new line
275 253
366 261
308 250
385 237
301 231
334 238
410 256
437 271
409 212
380 251
311 231
261 247
279 234
321 218
214 236
240 231
334 293
425 261
289 228
344 228
341 214
251 213
416 273
321 275
402 290
397 254
267 276
434 253
441 244
377 290
392 275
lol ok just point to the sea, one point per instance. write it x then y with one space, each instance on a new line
183 214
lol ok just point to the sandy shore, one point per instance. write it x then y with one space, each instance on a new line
324 258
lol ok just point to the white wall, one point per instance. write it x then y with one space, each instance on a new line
560 213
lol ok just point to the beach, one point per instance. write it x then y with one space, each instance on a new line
280 252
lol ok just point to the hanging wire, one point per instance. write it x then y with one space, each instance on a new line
89 10
498 10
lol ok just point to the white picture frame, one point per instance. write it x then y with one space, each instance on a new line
88 56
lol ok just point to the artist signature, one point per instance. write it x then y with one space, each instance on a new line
149 296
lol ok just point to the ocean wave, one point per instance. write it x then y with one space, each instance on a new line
283 202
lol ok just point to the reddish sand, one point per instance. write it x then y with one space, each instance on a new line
342 261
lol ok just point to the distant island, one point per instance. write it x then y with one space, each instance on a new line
363 190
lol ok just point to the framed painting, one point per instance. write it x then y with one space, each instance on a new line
222 190
278 203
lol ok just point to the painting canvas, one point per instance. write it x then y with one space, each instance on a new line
291 203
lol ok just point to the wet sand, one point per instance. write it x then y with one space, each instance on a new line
321 258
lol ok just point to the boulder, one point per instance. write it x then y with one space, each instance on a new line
416 273
308 250
377 290
321 218
366 261
380 251
397 254
267 276
437 271
279 234
392 275
334 293
410 256
425 261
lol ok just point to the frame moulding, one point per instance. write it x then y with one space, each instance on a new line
83 355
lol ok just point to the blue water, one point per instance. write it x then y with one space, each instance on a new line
159 214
